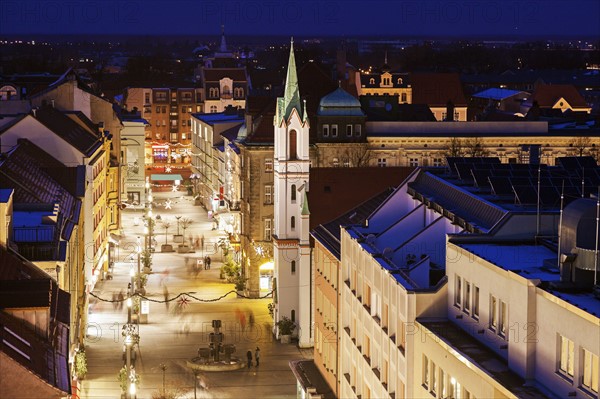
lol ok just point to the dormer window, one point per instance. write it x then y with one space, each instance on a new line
372 81
399 81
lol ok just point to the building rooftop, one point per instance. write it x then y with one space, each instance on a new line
474 354
436 89
308 375
496 94
547 95
71 129
219 117
339 103
532 262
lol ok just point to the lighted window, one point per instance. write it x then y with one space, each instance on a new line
349 130
268 165
267 223
268 194
566 357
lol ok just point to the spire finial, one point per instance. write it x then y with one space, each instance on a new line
385 60
292 40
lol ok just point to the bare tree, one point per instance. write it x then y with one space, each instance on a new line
185 223
581 146
358 155
166 224
455 148
474 147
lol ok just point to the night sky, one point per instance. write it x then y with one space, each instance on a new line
417 18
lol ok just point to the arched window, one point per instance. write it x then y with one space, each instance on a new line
293 145
399 81
213 109
372 81
293 222
293 194
238 92
293 314
226 91
293 266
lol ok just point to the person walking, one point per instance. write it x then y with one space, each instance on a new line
249 356
257 355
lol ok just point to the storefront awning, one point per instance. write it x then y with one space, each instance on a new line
166 177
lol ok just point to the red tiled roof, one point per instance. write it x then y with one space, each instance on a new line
548 95
216 74
436 89
333 191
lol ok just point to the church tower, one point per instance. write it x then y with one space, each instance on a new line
291 250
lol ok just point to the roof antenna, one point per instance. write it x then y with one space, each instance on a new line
385 59
538 221
597 232
562 199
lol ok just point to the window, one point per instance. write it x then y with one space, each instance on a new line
438 162
467 298
372 81
293 267
213 109
183 136
493 313
566 357
164 109
475 302
183 123
292 145
590 371
403 95
184 109
146 98
334 130
325 130
174 136
335 162
293 222
357 130
381 162
293 193
503 319
457 291
443 384
158 109
413 162
426 379
268 194
349 130
293 315
268 165
267 223
433 387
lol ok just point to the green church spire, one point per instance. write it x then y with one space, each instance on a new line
291 97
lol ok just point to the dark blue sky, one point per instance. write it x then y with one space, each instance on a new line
429 18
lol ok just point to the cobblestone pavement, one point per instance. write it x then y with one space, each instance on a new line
174 333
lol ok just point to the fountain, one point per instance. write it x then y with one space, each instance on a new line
218 355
